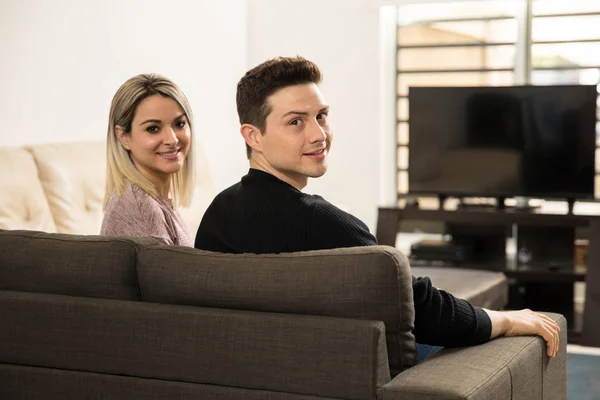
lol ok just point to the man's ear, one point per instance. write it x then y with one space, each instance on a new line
252 136
122 136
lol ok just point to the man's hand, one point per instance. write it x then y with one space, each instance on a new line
525 322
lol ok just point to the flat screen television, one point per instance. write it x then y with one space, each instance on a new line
532 141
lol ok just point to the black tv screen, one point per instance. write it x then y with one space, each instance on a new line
534 141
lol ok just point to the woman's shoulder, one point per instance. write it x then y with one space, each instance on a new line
134 213
133 198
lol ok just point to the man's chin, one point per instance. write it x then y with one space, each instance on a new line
317 173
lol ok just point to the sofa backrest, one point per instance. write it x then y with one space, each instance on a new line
22 201
73 176
372 283
89 266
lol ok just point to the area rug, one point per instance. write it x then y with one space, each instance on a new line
583 377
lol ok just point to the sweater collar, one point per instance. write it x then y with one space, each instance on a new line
257 175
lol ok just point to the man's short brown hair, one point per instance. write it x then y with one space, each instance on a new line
264 80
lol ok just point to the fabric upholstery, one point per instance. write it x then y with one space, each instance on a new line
20 383
505 368
73 176
92 266
56 346
485 289
319 356
22 201
371 283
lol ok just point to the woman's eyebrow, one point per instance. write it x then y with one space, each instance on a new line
158 121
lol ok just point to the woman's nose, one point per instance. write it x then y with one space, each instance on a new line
170 137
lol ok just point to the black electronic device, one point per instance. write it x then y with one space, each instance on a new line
440 250
533 141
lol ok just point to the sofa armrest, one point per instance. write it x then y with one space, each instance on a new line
504 368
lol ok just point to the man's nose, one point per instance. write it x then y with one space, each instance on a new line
317 132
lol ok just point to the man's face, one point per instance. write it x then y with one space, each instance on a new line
297 136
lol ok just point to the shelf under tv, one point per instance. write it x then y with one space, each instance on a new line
476 202
549 237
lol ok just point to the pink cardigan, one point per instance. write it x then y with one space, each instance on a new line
136 213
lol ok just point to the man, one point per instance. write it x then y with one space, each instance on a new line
284 121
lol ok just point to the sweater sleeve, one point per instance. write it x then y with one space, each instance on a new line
444 320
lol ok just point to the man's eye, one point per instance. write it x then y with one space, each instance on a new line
295 122
153 129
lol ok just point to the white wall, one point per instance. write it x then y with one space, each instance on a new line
62 61
341 36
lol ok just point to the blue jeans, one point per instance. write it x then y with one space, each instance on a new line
424 351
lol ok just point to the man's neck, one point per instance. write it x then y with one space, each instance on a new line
298 182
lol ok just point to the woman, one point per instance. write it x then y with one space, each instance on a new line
150 162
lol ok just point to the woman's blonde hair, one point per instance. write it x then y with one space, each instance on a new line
120 169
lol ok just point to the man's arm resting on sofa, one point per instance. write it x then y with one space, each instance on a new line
508 367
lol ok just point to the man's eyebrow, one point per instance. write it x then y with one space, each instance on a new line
294 112
158 121
324 109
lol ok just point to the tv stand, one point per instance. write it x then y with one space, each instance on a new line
570 204
442 199
486 206
500 202
546 283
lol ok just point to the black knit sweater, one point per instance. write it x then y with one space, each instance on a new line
262 214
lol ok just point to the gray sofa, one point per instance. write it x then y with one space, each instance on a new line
91 317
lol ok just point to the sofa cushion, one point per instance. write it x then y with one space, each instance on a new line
371 283
22 201
487 289
92 266
75 194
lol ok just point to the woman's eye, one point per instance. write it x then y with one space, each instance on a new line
153 129
180 124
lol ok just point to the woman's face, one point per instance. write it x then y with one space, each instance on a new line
159 140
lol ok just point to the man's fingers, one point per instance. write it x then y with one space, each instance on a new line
548 336
547 318
550 329
553 326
